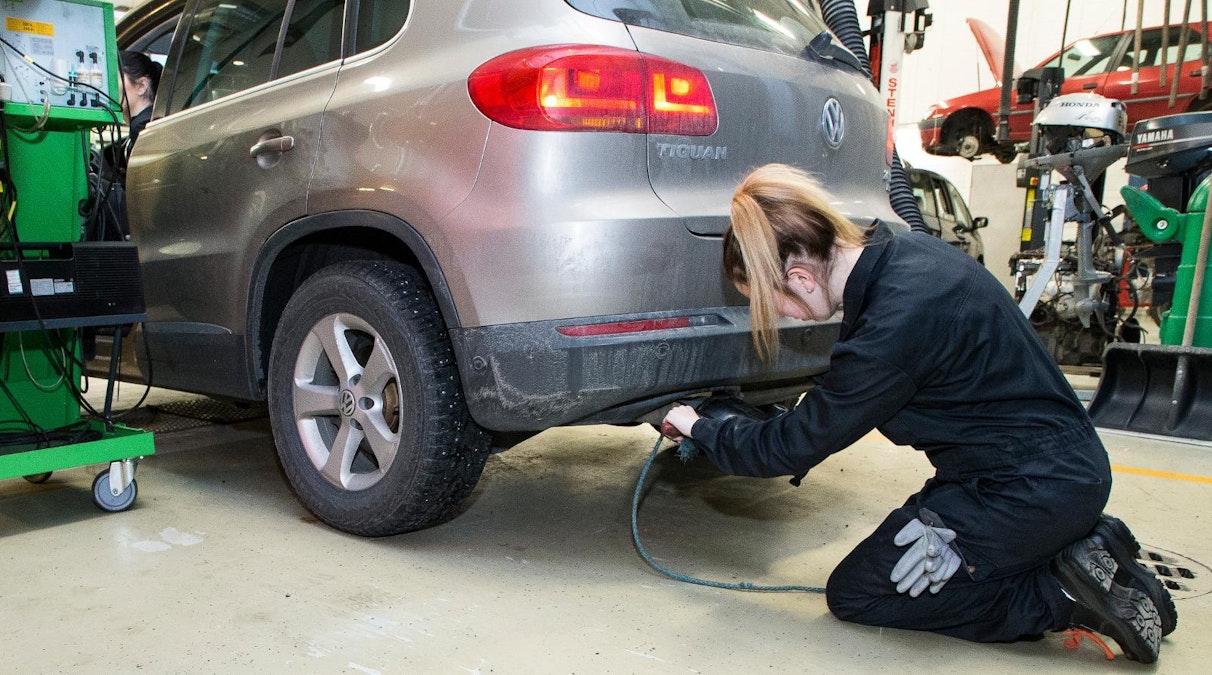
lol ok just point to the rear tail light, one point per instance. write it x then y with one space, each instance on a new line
593 88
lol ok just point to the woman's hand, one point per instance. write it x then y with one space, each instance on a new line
678 422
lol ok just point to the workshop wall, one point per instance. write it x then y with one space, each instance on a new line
951 64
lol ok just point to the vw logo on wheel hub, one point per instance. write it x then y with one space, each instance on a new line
833 123
348 403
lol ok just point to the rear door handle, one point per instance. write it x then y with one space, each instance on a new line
1090 85
275 145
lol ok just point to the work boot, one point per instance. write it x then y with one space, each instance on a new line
1114 536
1086 572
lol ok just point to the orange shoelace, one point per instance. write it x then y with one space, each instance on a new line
1075 640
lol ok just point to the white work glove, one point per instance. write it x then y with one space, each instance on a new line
930 561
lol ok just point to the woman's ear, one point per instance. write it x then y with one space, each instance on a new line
799 276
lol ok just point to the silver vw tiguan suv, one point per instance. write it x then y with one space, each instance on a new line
417 227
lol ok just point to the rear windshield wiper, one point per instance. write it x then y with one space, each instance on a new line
823 49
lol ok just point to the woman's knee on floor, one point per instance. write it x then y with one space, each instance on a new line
849 593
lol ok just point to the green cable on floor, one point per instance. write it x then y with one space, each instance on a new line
635 537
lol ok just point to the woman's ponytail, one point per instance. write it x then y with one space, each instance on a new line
752 263
779 212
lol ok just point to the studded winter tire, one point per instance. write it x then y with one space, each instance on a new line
366 405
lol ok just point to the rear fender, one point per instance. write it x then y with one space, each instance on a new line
303 247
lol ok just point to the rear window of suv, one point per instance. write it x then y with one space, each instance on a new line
783 26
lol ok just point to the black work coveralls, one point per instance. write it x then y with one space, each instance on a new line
934 353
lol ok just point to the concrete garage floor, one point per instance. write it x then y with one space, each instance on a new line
218 569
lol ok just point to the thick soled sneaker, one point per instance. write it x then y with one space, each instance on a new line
1113 535
1087 573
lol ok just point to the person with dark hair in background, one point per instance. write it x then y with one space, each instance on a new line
1008 540
140 77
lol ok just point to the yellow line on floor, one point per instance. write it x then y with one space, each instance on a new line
1162 474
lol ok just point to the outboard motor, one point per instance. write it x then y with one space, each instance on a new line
1065 289
1173 153
1167 389
1074 122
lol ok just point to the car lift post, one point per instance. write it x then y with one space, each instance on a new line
1003 112
898 27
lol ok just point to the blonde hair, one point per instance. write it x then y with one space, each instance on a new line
779 212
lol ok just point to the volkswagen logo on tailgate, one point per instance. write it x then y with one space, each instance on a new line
833 123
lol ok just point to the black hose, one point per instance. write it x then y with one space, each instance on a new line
900 195
842 18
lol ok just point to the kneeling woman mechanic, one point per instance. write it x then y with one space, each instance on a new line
1008 540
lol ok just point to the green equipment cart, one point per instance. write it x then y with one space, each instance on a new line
60 82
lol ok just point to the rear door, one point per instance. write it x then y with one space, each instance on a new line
1152 99
225 162
966 238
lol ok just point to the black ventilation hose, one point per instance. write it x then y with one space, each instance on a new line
842 18
900 195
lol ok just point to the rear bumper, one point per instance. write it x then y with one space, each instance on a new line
528 377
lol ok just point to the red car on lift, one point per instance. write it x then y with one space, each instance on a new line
965 125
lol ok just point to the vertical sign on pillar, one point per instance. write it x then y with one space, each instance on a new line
891 56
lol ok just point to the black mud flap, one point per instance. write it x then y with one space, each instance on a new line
1155 389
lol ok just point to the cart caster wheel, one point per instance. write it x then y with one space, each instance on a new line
106 500
38 477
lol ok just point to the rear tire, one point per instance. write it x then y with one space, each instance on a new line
366 405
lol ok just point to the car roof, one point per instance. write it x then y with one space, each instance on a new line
145 15
993 45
